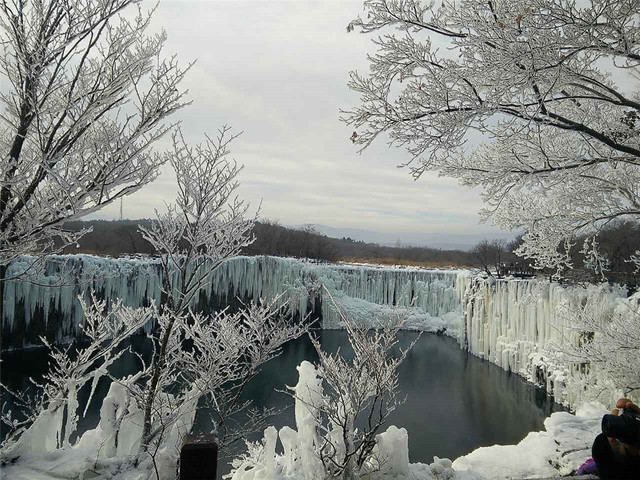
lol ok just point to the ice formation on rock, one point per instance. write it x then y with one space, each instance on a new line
519 324
120 428
49 305
392 448
510 322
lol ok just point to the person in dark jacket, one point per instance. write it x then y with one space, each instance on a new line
615 459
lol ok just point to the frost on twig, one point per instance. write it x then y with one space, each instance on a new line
603 361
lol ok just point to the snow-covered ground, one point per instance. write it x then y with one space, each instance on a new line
558 450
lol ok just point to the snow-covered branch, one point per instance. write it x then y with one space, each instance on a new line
550 84
89 96
607 347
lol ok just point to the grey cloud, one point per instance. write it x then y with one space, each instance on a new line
278 72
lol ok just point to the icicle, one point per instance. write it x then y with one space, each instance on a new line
425 294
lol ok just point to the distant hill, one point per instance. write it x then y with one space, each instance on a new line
425 239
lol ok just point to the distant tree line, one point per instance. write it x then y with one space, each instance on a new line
114 238
275 239
121 237
424 256
616 243
110 237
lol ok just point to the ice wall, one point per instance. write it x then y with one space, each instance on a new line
512 323
520 324
49 303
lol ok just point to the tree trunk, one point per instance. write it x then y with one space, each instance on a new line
158 362
3 272
350 466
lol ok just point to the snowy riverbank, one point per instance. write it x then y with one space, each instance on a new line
558 451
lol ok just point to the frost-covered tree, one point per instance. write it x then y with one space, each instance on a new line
197 360
354 397
551 87
86 94
341 404
193 237
359 395
604 363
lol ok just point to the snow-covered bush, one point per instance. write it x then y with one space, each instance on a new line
341 405
317 448
49 420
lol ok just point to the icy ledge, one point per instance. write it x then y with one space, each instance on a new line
515 324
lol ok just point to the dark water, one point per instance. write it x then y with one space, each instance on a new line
455 402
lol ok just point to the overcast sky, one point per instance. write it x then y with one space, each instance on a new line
278 71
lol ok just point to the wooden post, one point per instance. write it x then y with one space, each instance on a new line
199 457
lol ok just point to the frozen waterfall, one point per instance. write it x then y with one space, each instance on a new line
510 322
50 304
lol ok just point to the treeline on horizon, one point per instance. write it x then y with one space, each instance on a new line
121 237
617 242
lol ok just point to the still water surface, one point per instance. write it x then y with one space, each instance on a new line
455 402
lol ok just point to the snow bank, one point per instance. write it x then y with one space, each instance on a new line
559 450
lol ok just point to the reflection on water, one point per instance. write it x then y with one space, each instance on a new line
455 402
